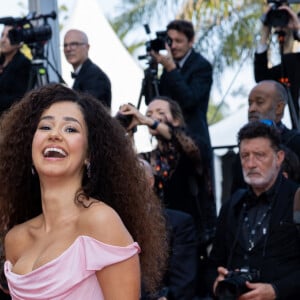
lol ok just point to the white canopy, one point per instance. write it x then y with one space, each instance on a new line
107 51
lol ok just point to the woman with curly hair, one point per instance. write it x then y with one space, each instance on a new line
179 161
180 164
73 202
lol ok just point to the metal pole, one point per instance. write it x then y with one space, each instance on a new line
53 52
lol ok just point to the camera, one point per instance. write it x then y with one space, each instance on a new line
159 43
275 16
24 31
124 120
30 35
234 284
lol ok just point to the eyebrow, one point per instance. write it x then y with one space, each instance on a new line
64 118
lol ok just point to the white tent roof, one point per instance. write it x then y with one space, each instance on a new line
224 132
107 51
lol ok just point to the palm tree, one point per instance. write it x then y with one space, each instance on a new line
225 28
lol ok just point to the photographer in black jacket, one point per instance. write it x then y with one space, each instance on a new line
186 77
256 229
288 71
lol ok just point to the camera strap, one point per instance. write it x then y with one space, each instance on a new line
236 197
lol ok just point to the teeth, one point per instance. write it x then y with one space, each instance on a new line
52 149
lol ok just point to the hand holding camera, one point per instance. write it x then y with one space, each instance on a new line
129 116
279 14
235 283
284 20
165 59
153 47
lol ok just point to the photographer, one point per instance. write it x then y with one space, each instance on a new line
181 171
14 71
288 71
186 77
257 245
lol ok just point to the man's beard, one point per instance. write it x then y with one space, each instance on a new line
262 180
255 116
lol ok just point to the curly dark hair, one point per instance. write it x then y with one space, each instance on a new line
117 177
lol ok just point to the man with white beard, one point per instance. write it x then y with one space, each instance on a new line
266 102
256 251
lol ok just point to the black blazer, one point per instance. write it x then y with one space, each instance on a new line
180 280
93 80
14 80
277 256
190 87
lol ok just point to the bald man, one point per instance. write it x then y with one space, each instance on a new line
267 101
88 76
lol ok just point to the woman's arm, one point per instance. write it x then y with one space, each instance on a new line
155 127
121 280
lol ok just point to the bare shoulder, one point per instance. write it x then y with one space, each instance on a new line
17 239
103 223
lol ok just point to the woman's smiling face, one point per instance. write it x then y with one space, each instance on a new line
60 143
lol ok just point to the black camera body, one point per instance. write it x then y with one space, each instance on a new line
277 17
125 120
24 31
234 284
159 43
30 35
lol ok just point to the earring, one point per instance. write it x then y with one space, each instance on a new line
32 170
88 169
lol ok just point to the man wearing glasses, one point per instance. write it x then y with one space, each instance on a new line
88 76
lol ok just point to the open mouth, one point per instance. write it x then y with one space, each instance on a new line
54 152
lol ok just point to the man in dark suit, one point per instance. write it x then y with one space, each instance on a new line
88 76
180 279
256 232
186 77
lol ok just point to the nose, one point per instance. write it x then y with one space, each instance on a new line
54 135
251 162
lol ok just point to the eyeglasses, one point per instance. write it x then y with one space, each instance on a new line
73 45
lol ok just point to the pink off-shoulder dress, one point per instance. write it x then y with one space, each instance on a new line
70 276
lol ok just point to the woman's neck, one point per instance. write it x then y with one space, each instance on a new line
58 202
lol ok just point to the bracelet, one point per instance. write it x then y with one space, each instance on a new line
154 125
